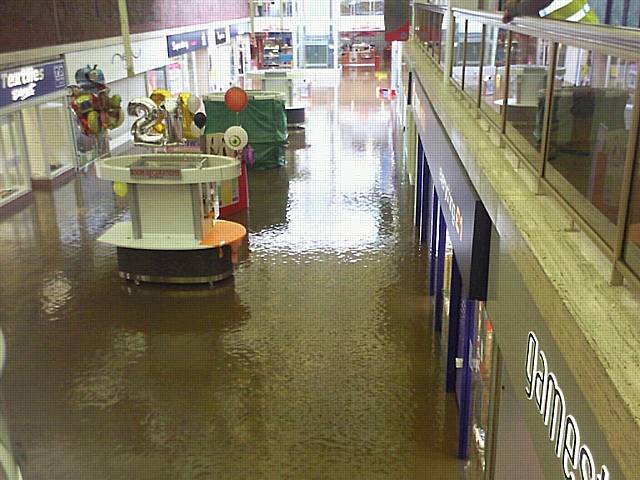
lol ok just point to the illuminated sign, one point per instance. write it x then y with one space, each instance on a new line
542 386
456 215
467 220
186 42
31 81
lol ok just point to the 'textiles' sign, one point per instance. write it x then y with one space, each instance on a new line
31 81
542 385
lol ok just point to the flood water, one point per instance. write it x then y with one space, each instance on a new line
317 361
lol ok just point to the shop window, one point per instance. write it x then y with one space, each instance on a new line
156 79
446 285
14 178
47 139
632 242
444 26
527 86
435 36
273 8
589 129
472 64
493 72
482 368
361 7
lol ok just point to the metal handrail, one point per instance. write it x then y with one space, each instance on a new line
621 42
442 9
617 41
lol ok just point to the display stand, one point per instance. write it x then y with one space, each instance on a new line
264 119
171 237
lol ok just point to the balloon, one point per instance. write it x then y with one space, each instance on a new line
200 119
236 99
236 138
142 129
173 120
91 103
194 103
120 189
194 115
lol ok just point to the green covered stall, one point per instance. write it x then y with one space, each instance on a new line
264 119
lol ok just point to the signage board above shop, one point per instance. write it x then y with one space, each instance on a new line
467 220
239 29
186 42
221 36
22 83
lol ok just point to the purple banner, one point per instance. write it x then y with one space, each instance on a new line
22 83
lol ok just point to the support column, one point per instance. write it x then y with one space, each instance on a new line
433 251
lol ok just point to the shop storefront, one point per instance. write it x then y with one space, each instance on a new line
221 53
35 129
542 419
452 219
188 68
522 413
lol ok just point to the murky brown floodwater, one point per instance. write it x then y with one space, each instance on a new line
315 362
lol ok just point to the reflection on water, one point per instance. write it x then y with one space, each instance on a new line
315 362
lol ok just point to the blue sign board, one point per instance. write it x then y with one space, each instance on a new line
467 220
239 29
186 42
22 83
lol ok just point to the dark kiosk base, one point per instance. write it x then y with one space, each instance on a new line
295 116
208 265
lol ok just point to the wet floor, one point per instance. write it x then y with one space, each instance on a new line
315 362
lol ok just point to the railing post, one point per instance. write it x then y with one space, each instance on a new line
483 43
548 117
625 190
464 54
507 79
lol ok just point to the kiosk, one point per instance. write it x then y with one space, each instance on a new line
281 81
173 235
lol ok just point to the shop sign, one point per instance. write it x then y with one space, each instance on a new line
543 387
186 42
30 81
221 36
467 220
239 29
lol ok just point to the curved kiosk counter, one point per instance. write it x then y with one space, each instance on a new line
172 236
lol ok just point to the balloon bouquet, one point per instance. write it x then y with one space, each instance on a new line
165 120
96 110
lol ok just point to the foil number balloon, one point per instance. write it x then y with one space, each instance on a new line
148 114
165 120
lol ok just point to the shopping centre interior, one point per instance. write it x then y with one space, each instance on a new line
320 239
